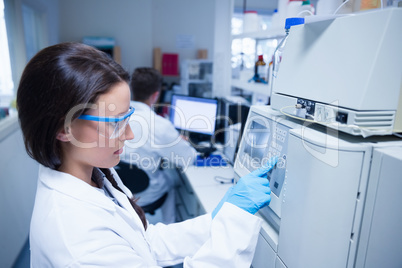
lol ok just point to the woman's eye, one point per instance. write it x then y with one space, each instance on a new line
112 124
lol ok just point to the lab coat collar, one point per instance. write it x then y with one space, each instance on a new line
126 210
74 187
140 106
78 189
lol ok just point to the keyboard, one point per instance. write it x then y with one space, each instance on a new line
213 160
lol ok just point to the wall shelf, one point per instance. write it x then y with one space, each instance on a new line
252 86
259 88
265 34
196 77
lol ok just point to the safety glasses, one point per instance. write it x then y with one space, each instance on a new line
110 127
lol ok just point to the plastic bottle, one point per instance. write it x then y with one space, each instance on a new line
270 71
307 9
325 7
293 8
251 22
275 20
261 70
277 58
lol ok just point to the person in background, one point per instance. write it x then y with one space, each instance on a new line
157 145
73 107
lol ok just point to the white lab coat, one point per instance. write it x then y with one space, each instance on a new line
156 139
75 225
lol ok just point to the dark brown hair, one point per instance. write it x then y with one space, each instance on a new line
145 81
54 81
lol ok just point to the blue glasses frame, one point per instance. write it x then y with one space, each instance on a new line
118 124
107 119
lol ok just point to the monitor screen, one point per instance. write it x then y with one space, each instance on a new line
232 135
257 141
194 114
263 139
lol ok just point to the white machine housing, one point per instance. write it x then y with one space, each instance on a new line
335 199
345 73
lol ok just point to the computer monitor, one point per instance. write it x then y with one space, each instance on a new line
194 114
231 144
233 113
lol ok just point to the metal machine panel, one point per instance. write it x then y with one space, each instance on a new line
344 73
264 137
381 233
352 60
319 208
264 255
279 263
338 205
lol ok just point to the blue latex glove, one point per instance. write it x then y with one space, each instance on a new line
223 200
251 192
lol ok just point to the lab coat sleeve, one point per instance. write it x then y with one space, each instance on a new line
171 243
232 241
116 255
229 240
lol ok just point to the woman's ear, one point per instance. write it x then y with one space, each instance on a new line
64 134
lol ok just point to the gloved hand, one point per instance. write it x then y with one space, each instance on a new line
251 192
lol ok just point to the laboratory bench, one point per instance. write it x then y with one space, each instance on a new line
201 188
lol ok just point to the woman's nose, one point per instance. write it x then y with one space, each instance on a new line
128 134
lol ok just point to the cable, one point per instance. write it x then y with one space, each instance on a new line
223 180
305 11
292 116
336 11
312 117
382 6
399 135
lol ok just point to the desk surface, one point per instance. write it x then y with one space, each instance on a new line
208 190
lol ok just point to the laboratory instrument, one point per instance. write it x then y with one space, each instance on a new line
335 199
344 72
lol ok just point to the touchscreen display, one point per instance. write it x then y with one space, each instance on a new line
256 143
263 141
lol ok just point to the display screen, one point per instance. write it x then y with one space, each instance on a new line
257 142
262 141
194 114
232 135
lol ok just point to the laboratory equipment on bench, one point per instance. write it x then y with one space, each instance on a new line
344 72
335 199
260 71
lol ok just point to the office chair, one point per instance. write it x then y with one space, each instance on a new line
137 181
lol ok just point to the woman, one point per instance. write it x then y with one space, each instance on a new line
74 105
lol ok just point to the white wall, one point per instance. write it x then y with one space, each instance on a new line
15 31
18 180
128 21
139 26
174 18
221 86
